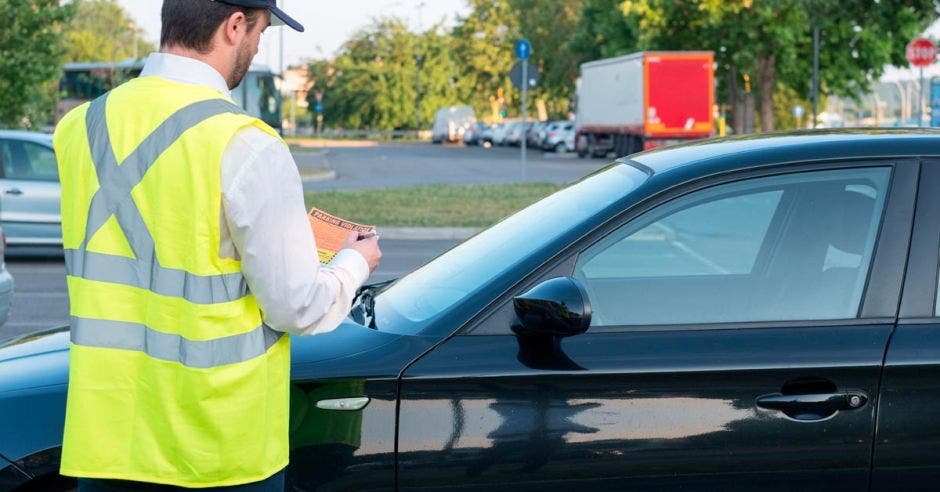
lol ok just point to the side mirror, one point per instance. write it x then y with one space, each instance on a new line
557 307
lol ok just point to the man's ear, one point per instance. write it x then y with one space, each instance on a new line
235 28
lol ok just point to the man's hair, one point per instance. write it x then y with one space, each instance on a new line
192 23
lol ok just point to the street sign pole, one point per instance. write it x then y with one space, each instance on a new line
525 92
523 50
921 52
920 100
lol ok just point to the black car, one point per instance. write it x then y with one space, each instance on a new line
755 313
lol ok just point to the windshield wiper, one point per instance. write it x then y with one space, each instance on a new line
363 309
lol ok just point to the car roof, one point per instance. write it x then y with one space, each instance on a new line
42 138
800 146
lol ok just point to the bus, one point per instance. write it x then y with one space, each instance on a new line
82 82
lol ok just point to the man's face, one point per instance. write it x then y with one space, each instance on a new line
247 50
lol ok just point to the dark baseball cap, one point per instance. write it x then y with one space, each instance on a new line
272 6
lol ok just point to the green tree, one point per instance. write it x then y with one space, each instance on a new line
548 25
101 30
603 32
437 76
771 41
483 50
375 83
31 53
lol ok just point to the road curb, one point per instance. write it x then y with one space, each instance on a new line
318 177
426 233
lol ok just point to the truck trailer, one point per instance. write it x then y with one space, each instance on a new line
644 100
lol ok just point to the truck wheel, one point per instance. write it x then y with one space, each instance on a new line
580 144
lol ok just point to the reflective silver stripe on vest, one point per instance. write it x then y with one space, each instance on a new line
113 197
173 348
169 282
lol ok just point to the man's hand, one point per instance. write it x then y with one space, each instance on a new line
368 248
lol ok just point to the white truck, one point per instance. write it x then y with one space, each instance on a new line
450 123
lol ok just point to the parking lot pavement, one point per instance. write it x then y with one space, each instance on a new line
409 164
40 299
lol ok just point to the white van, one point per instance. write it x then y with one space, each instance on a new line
450 123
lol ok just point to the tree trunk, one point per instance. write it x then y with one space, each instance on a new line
768 81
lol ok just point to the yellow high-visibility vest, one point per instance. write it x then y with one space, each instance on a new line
173 376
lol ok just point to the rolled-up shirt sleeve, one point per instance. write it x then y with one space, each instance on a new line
263 209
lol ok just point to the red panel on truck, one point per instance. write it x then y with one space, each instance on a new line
679 92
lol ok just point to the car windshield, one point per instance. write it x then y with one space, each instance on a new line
421 297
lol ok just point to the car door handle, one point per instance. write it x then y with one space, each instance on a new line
13 191
813 406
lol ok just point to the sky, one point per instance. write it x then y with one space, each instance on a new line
328 23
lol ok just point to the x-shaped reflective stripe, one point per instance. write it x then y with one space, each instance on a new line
114 198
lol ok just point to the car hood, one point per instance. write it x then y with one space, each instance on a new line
36 360
36 343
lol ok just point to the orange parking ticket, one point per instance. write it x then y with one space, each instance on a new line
330 232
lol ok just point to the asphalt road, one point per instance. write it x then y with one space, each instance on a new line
407 164
40 299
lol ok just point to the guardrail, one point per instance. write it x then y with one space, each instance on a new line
363 134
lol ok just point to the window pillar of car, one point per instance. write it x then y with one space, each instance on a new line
919 301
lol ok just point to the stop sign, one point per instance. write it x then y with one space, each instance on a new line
921 52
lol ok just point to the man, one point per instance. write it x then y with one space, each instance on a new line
188 254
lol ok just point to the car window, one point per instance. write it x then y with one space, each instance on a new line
27 160
791 247
424 295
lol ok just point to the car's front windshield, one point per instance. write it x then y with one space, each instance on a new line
422 296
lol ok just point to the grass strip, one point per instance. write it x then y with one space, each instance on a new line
431 205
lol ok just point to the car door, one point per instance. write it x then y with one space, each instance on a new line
737 337
29 193
907 455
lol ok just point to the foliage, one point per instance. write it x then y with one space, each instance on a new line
772 41
102 31
602 32
31 53
482 47
374 83
548 26
386 77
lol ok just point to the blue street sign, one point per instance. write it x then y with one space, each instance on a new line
523 49
319 108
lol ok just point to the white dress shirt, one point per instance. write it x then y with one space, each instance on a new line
264 222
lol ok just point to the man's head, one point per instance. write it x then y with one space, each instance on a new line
224 33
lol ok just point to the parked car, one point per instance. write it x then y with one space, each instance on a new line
474 134
486 136
516 133
755 313
450 123
534 135
6 286
501 131
570 140
557 136
29 189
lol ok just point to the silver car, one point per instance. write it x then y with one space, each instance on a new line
6 282
29 189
